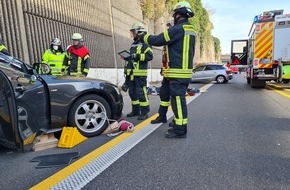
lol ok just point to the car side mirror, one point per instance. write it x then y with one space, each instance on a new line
42 68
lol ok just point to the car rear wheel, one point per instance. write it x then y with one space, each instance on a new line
7 144
220 79
89 114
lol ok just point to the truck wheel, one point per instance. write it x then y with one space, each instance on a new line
90 115
220 79
248 80
253 83
279 74
286 81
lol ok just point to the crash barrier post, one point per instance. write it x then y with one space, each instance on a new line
70 137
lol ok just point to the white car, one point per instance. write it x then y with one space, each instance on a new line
211 72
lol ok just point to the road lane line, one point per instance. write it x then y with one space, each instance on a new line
82 171
279 92
280 87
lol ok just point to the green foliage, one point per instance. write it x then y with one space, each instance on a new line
217 46
201 23
155 9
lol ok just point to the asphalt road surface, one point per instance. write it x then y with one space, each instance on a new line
238 138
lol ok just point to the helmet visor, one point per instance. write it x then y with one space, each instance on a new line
133 33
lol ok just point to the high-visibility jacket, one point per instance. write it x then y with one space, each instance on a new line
3 48
179 41
77 60
55 60
138 66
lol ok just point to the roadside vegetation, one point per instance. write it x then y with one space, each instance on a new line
153 10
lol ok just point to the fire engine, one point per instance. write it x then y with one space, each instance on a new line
266 54
282 45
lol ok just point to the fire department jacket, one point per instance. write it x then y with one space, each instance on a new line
3 49
138 64
179 42
77 60
55 60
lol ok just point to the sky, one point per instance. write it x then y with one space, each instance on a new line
232 19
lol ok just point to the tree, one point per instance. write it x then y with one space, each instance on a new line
155 9
217 47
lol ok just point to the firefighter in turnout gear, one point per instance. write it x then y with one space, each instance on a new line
164 98
136 73
3 48
77 59
180 46
54 57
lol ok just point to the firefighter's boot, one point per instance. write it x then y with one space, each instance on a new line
143 117
144 112
135 111
176 131
159 119
170 126
172 135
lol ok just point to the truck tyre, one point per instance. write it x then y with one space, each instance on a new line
248 80
286 81
253 83
90 115
279 74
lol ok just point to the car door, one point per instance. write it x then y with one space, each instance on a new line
9 135
198 74
211 72
32 101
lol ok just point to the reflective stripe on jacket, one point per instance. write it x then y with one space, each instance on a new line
77 61
55 60
139 67
179 42
3 48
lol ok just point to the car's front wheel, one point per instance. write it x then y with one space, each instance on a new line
89 114
221 79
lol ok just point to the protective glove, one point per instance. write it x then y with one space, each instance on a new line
127 59
124 87
161 72
135 57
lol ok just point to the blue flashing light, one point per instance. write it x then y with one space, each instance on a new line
256 19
